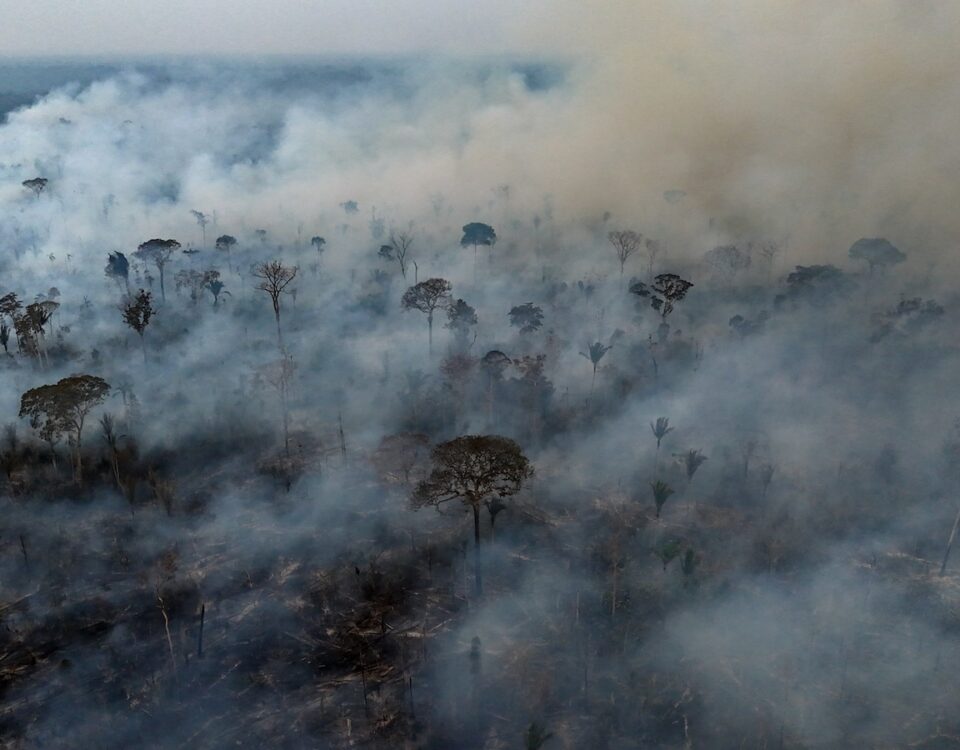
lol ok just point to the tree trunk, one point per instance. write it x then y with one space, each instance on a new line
276 314
477 572
430 332
953 535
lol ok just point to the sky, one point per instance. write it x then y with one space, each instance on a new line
258 26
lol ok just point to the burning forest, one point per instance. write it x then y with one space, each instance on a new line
592 390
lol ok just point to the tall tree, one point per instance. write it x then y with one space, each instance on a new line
877 252
595 352
225 243
528 317
158 252
137 313
202 221
625 243
473 469
462 320
426 297
398 249
667 289
274 279
476 234
37 185
62 408
118 269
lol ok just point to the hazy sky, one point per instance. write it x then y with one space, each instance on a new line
260 26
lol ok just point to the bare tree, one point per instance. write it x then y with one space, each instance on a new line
400 243
274 279
473 469
279 375
625 244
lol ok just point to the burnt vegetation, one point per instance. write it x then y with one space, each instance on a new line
692 510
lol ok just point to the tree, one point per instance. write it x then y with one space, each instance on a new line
727 260
667 289
461 319
595 352
195 282
158 252
877 252
472 469
37 315
494 363
625 244
476 234
279 375
426 297
816 285
216 288
319 243
660 430
62 408
400 456
137 313
653 250
398 249
274 279
661 493
202 220
118 269
36 184
225 243
109 429
667 551
691 460
527 317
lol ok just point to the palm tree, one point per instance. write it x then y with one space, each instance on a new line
596 353
667 551
660 430
661 493
691 461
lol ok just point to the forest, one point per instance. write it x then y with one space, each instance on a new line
392 404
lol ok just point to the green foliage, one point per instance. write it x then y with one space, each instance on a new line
668 551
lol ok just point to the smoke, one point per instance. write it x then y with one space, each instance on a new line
800 596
